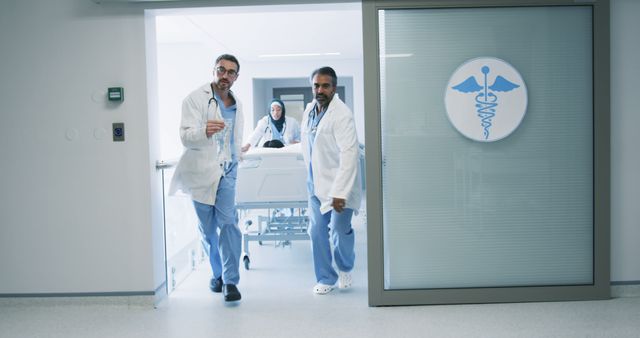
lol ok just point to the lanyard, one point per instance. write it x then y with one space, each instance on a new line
314 120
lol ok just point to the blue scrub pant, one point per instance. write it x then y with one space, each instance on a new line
219 228
336 225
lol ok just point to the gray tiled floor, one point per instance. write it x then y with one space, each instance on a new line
278 302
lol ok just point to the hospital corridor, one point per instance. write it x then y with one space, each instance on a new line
170 168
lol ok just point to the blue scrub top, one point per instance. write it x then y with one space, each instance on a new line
229 113
312 126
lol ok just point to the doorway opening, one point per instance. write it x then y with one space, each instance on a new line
278 46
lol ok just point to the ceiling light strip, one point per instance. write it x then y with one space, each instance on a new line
298 55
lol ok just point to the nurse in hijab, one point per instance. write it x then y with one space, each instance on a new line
274 130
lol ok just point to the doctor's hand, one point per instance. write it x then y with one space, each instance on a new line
338 204
214 126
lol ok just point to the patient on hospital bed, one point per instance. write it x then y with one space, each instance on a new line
273 144
272 181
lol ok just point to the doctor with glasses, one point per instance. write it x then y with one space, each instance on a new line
211 133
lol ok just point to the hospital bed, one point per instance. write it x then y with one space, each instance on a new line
273 180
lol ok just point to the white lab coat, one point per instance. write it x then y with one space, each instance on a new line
198 171
335 156
262 132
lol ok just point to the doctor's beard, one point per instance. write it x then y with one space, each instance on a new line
322 99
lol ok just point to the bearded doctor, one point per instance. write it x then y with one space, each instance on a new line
330 150
211 132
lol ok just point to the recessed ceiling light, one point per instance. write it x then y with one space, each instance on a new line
298 55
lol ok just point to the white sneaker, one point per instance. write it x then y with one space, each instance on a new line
344 280
322 289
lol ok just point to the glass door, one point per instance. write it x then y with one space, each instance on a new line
486 162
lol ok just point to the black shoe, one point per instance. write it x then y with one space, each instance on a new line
230 292
216 285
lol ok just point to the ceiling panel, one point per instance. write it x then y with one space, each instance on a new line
270 33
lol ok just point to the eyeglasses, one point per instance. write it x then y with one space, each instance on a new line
231 72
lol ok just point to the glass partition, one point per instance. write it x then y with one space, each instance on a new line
471 215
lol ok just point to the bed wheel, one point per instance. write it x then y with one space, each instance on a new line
245 259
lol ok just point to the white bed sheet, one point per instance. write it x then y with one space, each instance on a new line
270 176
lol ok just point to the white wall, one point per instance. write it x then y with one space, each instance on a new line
82 215
76 211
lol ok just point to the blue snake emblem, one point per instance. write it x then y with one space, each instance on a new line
486 101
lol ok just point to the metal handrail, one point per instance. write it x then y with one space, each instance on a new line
165 164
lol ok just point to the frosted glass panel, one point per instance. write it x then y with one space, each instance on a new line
461 213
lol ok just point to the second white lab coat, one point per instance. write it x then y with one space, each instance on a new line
335 155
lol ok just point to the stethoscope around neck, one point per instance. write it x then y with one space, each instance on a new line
209 106
311 127
269 129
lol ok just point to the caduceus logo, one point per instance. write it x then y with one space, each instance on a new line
498 100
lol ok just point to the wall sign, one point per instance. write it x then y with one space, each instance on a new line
486 99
